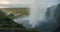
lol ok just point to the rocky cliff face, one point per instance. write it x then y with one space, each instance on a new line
53 18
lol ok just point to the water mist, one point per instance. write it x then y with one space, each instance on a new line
42 16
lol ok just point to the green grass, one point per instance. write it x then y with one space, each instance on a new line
16 29
12 26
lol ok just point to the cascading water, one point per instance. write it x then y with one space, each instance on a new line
39 8
38 17
42 16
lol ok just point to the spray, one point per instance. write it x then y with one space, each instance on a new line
40 17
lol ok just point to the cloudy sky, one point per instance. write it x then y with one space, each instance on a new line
25 3
14 3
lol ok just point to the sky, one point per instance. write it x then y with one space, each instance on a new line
14 3
22 3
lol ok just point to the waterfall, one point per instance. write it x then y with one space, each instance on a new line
38 10
42 16
49 23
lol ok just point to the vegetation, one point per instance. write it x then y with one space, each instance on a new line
8 25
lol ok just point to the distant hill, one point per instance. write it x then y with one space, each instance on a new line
16 11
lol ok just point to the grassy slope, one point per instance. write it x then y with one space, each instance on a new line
16 10
14 26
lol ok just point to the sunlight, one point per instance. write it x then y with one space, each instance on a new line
4 2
